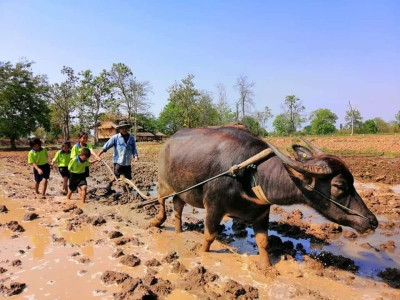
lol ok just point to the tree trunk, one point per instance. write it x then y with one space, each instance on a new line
96 138
66 132
12 143
135 122
96 134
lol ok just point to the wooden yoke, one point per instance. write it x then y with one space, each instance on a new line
259 156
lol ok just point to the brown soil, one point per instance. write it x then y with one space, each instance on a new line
106 248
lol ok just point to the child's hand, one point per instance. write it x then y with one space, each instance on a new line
40 172
51 166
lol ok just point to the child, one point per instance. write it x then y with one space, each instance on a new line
62 159
76 167
82 143
38 157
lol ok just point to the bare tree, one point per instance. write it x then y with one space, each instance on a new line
245 93
353 118
137 101
263 116
224 111
132 92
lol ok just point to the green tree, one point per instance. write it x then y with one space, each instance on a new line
293 110
95 93
207 112
64 100
281 124
148 122
185 96
369 126
397 116
323 121
170 119
254 126
383 127
23 100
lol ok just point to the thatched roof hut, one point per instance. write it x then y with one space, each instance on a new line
160 136
145 136
106 129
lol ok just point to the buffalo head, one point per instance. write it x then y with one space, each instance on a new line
328 186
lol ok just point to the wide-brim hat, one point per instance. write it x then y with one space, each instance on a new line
124 123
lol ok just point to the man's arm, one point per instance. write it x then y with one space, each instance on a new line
134 152
110 143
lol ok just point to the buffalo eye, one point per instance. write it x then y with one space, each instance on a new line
340 186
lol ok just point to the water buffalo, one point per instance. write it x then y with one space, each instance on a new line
312 178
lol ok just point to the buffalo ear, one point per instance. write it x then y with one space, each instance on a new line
302 153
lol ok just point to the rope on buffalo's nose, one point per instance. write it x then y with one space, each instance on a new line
337 203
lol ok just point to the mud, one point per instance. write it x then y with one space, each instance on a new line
30 216
338 261
391 276
130 260
105 246
14 288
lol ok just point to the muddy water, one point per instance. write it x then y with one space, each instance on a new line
48 268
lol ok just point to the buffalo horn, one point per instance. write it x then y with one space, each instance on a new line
312 147
301 167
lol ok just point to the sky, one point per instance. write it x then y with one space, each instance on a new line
327 53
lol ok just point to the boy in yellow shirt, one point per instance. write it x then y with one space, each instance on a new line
38 157
77 179
62 159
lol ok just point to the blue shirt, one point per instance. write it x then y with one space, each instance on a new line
123 152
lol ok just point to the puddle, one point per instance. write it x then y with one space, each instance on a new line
48 268
396 189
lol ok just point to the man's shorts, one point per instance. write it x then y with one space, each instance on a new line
123 170
46 173
64 171
76 180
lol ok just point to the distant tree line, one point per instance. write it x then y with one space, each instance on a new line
29 105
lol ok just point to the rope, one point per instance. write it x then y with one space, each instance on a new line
337 203
156 199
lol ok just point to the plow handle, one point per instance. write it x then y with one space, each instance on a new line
251 160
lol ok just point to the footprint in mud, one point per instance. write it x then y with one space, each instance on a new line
3 209
15 288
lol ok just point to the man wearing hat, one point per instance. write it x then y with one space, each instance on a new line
124 150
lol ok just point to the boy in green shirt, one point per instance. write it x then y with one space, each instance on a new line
38 157
62 159
81 144
76 167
